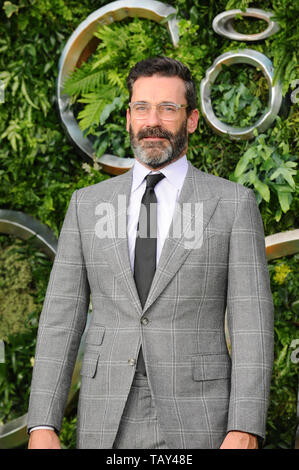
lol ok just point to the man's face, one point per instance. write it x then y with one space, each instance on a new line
157 142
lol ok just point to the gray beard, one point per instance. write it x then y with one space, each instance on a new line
155 154
153 157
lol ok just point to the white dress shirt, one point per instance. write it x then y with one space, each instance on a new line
167 192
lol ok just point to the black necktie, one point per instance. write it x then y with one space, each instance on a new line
146 246
146 239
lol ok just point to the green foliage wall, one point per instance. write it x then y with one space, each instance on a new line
39 168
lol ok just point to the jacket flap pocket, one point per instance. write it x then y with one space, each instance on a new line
89 365
95 335
211 366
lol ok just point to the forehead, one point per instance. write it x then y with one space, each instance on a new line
156 89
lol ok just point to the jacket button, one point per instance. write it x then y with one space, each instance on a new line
144 321
132 361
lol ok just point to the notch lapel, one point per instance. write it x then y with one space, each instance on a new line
116 247
195 191
195 199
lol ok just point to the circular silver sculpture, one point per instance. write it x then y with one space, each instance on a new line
24 226
258 60
81 44
223 24
14 433
282 244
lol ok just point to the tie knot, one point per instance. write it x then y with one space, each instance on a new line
152 180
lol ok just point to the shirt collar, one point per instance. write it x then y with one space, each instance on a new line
175 173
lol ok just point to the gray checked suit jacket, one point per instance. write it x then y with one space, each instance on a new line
201 391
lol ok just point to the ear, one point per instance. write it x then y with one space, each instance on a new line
128 119
192 121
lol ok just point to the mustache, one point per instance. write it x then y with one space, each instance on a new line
154 132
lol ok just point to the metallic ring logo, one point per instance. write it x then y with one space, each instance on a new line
223 24
80 45
14 433
282 244
251 57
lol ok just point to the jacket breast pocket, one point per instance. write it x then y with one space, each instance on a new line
95 335
211 367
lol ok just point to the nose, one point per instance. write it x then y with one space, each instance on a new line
153 118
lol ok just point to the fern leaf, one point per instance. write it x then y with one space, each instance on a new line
91 113
114 78
82 82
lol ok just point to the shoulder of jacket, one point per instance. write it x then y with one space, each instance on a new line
102 188
222 187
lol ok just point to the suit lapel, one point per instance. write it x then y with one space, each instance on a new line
177 246
194 199
117 250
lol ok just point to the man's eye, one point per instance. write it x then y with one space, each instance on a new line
168 108
140 107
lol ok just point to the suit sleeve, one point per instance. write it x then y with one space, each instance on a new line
250 320
61 325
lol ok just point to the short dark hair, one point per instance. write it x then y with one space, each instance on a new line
166 67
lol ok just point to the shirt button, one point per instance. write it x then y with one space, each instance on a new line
144 321
132 361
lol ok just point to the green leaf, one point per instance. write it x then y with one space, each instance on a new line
241 165
116 103
284 188
100 150
286 174
284 200
82 82
48 202
252 177
90 115
282 354
263 189
9 9
278 215
291 164
27 97
194 14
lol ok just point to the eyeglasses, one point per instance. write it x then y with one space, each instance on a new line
166 111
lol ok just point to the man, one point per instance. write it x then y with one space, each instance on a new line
156 371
